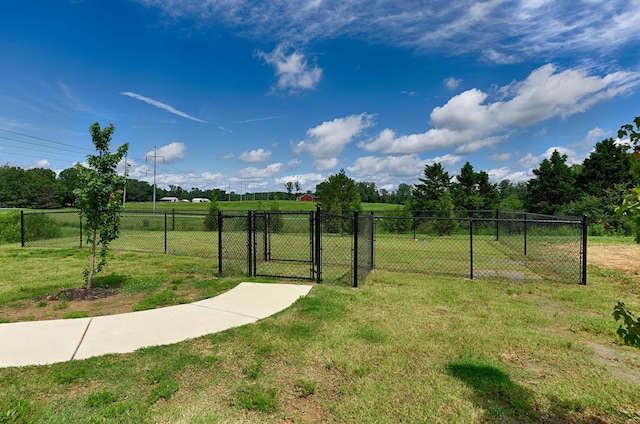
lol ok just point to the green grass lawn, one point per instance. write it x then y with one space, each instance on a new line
401 348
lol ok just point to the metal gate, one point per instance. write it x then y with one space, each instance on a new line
282 245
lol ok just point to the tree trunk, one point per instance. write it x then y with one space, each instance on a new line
92 258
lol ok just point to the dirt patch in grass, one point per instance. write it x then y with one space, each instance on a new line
95 302
621 257
616 360
82 293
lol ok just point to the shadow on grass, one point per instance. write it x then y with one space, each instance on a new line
494 391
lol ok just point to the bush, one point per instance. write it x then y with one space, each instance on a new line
211 219
40 227
10 227
398 221
629 330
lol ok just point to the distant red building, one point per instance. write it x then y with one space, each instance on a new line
307 198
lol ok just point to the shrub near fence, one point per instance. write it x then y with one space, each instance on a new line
324 247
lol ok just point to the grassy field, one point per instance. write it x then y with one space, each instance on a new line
401 348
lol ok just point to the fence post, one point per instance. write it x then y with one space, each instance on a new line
413 221
471 248
355 248
165 233
249 250
318 242
585 221
21 228
525 233
497 224
220 227
372 250
80 232
173 219
312 248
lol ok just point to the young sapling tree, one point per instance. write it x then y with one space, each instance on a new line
99 197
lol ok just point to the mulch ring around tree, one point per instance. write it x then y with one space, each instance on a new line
82 293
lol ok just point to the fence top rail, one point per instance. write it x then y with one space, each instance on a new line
490 215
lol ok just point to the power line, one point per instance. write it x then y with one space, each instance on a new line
37 138
38 145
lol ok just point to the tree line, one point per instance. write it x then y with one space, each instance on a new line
594 188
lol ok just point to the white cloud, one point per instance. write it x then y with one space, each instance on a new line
246 121
267 172
307 181
531 161
474 146
41 163
168 153
294 163
470 121
293 70
513 28
367 167
255 156
160 105
325 164
451 83
501 157
204 180
504 173
327 141
228 156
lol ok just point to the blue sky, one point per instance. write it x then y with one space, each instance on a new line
247 95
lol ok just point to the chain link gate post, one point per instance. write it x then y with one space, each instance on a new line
220 227
249 243
318 246
583 256
355 248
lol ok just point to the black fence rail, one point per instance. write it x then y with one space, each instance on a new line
319 246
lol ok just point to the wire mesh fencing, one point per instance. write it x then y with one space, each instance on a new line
343 249
483 244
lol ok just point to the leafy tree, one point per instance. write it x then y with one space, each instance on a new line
43 189
12 182
340 196
99 197
552 187
276 221
629 329
427 193
139 191
446 226
631 206
403 193
211 218
368 192
69 181
512 196
607 165
488 192
465 189
398 220
474 191
289 187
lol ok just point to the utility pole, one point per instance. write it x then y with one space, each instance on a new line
155 160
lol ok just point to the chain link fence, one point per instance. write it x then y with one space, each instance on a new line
343 249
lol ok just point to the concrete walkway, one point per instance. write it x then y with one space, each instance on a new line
46 342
